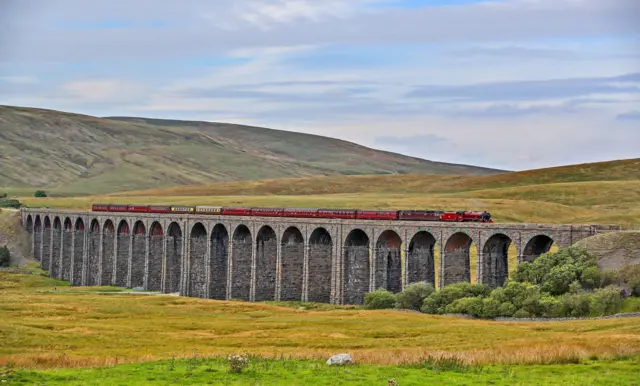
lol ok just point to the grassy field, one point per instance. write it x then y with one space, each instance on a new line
122 337
604 193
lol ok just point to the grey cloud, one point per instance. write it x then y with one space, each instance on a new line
530 90
630 116
32 32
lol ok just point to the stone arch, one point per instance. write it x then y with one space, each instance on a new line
139 252
219 262
93 254
56 246
266 264
320 260
108 258
45 261
536 246
356 266
198 264
77 270
421 259
67 249
388 270
241 265
292 252
29 224
456 259
173 266
122 254
37 238
495 260
154 266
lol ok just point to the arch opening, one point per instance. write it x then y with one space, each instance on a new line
266 261
219 262
122 254
537 246
495 260
77 265
388 270
154 267
67 249
138 256
45 261
292 251
241 267
93 264
356 266
29 224
456 261
198 265
173 265
108 252
320 262
421 259
37 239
56 248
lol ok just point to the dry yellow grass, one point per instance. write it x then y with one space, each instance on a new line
42 328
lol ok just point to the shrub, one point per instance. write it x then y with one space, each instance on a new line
490 308
576 305
551 307
437 302
559 279
507 309
413 296
605 301
5 257
470 306
521 313
591 277
629 277
40 193
379 299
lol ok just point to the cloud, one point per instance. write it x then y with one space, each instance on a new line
17 79
629 116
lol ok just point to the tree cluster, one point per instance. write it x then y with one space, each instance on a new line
5 257
567 283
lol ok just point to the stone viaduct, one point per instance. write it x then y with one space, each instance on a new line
262 258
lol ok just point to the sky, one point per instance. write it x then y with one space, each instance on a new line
508 84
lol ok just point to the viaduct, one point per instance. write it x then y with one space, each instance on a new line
260 258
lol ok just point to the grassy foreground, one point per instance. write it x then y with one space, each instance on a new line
47 324
261 371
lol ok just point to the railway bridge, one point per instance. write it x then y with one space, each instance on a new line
261 258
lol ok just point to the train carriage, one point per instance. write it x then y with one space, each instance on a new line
213 210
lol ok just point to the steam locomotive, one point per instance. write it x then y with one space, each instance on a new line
371 214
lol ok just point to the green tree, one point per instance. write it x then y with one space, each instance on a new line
379 299
40 193
413 296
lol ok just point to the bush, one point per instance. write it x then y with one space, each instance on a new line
5 257
237 363
629 277
576 305
437 302
490 308
559 279
605 301
379 299
413 296
40 193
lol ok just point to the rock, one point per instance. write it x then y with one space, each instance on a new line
340 360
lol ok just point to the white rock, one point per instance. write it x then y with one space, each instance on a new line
339 359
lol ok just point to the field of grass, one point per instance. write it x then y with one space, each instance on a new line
47 324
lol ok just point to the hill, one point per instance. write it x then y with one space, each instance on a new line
79 154
614 250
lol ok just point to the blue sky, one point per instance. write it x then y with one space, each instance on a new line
514 84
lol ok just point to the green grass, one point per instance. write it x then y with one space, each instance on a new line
282 371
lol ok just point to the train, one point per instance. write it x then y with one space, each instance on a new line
360 214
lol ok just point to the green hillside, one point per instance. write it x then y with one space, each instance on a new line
78 154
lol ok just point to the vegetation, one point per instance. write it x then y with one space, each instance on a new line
89 155
5 202
48 324
196 370
40 194
5 256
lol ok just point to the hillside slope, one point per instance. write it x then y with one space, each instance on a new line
537 182
82 154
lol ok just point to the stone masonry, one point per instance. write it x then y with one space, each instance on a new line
257 258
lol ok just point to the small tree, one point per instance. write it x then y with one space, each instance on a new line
379 299
40 193
413 296
5 257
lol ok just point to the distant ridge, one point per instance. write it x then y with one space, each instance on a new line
80 154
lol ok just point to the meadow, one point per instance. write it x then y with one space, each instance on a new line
48 326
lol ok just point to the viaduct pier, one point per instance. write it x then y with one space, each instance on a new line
261 258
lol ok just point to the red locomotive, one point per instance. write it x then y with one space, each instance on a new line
360 214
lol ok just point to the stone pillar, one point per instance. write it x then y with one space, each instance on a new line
278 286
305 270
100 255
130 257
230 264
252 286
207 262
